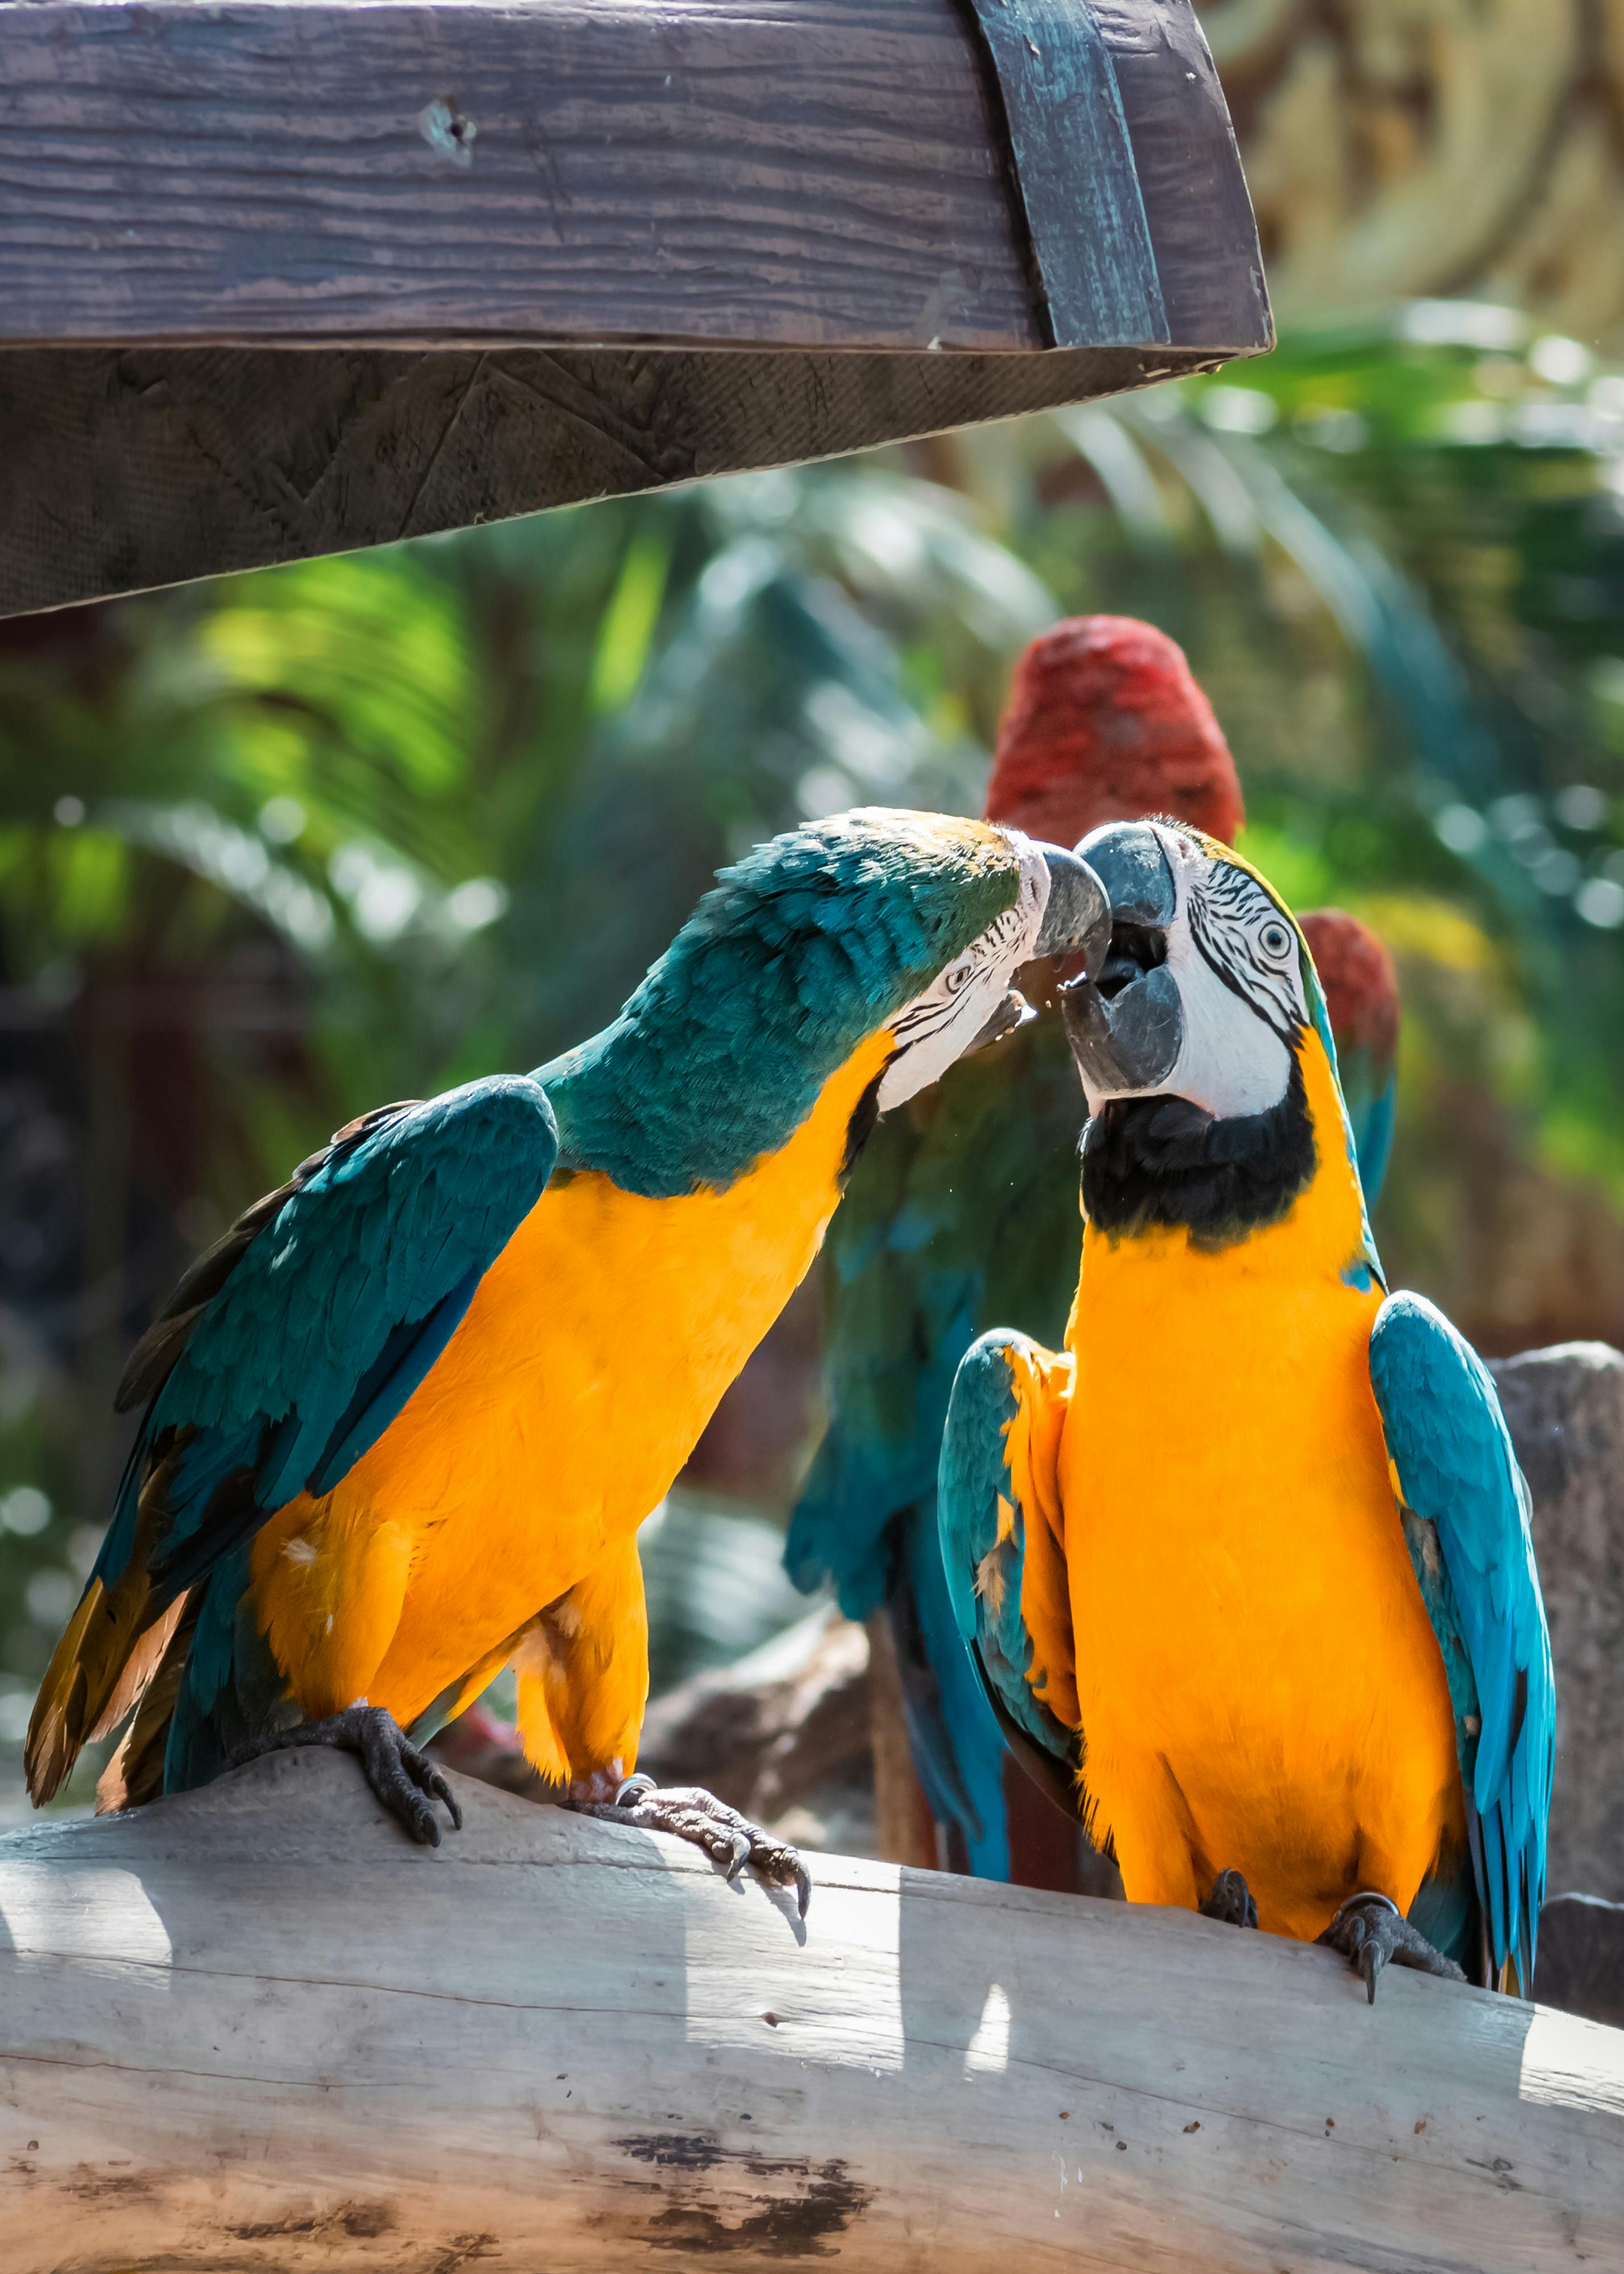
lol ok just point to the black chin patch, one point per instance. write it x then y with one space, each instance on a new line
1162 1164
860 1127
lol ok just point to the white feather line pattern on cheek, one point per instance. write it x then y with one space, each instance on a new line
1240 992
941 1023
1249 944
1242 1002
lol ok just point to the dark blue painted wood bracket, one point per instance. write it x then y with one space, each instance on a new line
1074 168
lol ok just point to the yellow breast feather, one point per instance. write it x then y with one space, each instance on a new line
1227 1499
591 1357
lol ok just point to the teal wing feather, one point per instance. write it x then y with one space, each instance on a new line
288 1349
985 1561
960 1214
884 1373
1370 1090
1372 1139
1467 1525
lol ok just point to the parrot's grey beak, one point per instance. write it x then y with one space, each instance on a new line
1125 1020
1077 918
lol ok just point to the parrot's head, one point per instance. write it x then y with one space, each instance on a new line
889 933
1105 722
1203 1042
910 923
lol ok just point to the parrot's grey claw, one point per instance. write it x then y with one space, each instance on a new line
1230 1900
689 1812
1370 1930
1372 1959
401 1777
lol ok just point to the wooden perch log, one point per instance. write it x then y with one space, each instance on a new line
253 2029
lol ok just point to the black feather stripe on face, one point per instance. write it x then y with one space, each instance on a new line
865 1118
1227 911
923 1019
933 1009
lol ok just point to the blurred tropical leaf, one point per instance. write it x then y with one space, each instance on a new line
273 849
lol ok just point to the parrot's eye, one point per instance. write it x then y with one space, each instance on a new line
1275 940
958 975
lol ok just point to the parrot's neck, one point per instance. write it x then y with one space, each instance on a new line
807 952
1154 1166
719 1058
664 1122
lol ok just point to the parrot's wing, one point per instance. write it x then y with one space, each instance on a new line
1466 1520
896 1321
286 1351
961 1211
1003 1550
1373 1137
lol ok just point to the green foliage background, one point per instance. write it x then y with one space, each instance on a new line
274 849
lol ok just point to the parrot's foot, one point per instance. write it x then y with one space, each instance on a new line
1230 1900
1369 1930
404 1780
692 1813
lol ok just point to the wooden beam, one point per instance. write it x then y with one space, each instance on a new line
1063 115
1195 196
124 469
1581 1956
824 174
287 276
814 174
252 2028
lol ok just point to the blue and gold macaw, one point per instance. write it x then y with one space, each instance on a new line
401 1423
962 1216
1247 1560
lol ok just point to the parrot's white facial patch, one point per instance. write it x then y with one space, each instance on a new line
940 1025
1239 964
1230 1061
1235 960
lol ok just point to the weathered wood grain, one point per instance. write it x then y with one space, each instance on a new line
740 171
818 173
1190 177
253 2029
1581 1956
121 471
286 276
